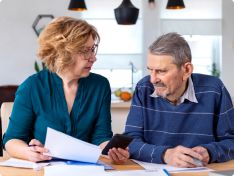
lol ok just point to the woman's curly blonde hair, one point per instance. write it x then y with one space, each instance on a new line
62 38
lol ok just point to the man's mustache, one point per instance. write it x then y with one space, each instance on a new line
159 85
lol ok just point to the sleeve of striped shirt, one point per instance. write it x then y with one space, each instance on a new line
138 149
223 149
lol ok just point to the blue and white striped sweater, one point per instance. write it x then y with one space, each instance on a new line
157 124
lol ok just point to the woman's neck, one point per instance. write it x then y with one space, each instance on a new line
68 79
70 87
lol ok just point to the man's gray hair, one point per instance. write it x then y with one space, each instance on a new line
174 45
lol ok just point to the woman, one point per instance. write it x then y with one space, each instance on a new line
65 96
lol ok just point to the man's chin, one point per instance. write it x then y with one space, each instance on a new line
161 94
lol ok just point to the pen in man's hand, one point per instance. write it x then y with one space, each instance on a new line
166 172
197 162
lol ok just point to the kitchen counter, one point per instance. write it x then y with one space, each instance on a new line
120 104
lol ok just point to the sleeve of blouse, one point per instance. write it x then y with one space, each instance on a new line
102 129
22 117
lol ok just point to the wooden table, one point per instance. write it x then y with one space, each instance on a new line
10 171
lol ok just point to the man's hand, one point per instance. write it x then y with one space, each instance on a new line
35 151
181 157
204 153
118 155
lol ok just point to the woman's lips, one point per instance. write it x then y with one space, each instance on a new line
88 68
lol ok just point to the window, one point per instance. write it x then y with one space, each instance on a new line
120 44
206 53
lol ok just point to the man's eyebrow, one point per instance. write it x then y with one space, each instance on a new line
157 69
151 68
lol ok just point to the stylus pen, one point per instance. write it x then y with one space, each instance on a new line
198 162
166 172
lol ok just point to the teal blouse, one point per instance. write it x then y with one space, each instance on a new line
40 103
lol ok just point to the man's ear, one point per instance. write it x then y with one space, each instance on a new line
187 69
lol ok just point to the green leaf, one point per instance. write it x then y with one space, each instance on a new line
36 66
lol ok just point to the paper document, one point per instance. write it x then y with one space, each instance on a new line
155 167
138 173
72 170
78 163
63 146
13 162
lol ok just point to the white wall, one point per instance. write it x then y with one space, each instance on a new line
199 26
151 28
228 45
17 39
194 9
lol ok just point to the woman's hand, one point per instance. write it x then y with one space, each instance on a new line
118 155
35 151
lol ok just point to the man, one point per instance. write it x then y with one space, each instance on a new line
178 117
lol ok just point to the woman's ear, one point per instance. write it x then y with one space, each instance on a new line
187 69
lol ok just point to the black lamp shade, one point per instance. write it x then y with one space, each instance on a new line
175 4
77 5
126 13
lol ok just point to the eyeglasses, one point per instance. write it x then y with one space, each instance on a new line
90 52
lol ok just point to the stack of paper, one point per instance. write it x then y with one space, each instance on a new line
72 170
138 173
78 163
63 146
156 167
73 152
13 162
96 171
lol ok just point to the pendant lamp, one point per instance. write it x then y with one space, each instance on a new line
175 4
77 5
151 4
126 13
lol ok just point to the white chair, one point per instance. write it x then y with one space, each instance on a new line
6 109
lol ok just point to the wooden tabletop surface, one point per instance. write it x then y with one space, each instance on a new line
10 171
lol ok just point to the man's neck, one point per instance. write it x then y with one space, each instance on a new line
174 99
